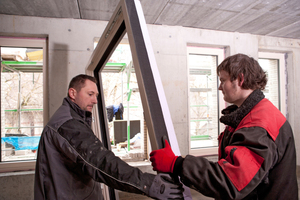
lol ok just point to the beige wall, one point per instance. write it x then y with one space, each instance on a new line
71 45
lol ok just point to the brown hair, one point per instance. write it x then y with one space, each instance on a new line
78 81
254 76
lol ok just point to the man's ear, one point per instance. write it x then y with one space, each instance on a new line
72 93
241 79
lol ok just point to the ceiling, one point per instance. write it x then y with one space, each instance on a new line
280 18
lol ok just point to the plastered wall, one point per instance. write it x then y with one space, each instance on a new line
70 45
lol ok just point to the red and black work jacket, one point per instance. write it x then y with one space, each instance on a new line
257 157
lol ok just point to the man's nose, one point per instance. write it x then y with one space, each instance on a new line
95 100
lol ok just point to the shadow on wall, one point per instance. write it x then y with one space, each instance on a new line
57 75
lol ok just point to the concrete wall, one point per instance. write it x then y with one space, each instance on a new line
70 45
16 185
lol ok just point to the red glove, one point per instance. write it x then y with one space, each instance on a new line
163 160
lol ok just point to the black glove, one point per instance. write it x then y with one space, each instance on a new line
164 187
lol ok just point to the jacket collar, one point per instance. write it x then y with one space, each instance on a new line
233 115
85 115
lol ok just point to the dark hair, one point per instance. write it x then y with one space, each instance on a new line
78 81
254 76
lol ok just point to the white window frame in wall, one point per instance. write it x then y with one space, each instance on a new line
220 53
40 42
282 77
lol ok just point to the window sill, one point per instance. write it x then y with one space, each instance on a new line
5 174
204 151
17 166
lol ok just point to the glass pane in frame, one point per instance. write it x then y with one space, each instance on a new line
123 105
203 100
21 102
271 92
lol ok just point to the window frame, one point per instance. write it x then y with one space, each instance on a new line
128 18
30 42
282 77
220 53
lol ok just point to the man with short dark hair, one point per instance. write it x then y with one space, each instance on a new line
72 161
257 156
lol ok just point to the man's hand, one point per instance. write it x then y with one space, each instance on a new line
164 187
163 160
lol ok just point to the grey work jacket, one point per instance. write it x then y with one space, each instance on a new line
72 161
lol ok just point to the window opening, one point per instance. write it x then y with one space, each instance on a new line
204 97
271 91
123 105
21 102
273 65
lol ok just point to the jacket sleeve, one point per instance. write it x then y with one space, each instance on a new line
251 153
84 149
